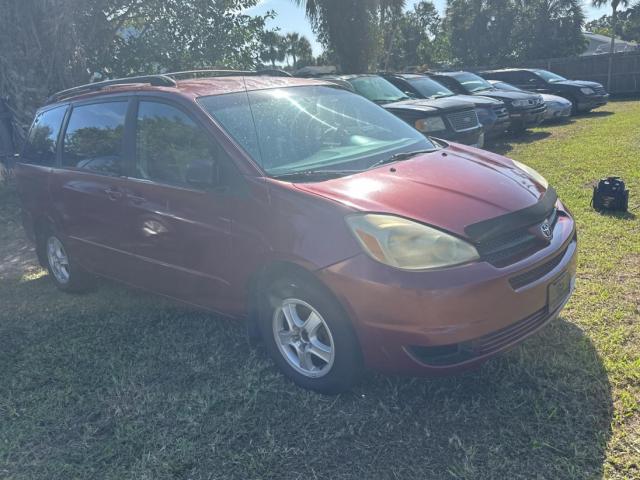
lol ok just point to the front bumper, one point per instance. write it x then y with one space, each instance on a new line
396 314
557 112
528 118
591 102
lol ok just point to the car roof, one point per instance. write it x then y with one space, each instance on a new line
199 87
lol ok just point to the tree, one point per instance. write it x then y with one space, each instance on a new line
304 53
419 39
614 20
299 48
390 14
498 32
480 31
49 45
346 28
274 48
628 25
547 28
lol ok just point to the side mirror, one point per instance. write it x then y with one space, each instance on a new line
203 173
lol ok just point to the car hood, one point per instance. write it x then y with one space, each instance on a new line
578 83
428 105
450 189
507 95
479 101
554 98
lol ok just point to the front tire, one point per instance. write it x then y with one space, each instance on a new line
65 273
309 337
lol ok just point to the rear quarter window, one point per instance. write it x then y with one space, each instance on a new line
41 144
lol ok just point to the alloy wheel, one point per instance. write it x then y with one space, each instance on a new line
58 260
303 338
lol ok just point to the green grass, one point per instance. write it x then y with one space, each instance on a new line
118 384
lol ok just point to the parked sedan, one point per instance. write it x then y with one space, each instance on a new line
525 109
492 113
446 118
584 95
557 107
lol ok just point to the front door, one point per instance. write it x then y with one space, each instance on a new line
181 204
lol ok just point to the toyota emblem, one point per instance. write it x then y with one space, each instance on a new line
545 228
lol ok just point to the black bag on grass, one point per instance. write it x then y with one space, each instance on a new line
610 194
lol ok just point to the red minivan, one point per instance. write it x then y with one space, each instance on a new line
344 236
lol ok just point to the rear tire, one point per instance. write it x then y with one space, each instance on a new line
64 271
309 336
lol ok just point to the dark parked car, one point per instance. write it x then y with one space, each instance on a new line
557 107
445 118
584 95
525 109
492 113
346 237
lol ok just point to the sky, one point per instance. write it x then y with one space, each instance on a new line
290 17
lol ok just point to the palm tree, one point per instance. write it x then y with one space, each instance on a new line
304 51
346 28
614 23
273 48
291 41
299 47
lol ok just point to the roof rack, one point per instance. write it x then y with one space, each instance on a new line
160 80
208 73
155 80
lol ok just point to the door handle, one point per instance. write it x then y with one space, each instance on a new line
136 199
113 193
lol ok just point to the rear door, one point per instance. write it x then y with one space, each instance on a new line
87 190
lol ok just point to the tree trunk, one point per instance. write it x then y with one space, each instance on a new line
612 50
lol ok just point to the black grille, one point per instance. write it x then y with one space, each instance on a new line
491 343
600 90
501 112
497 340
503 249
537 273
464 120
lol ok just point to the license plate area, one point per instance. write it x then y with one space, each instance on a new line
558 291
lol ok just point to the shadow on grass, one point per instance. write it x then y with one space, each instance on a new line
593 114
504 145
128 385
618 215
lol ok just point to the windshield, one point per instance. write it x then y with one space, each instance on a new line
506 86
430 88
549 76
472 83
377 89
312 128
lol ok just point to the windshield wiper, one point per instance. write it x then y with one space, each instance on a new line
311 175
398 157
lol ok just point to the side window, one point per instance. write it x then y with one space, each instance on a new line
93 139
450 84
170 147
40 148
521 78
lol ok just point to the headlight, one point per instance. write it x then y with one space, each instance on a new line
532 173
520 103
408 245
431 124
588 91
